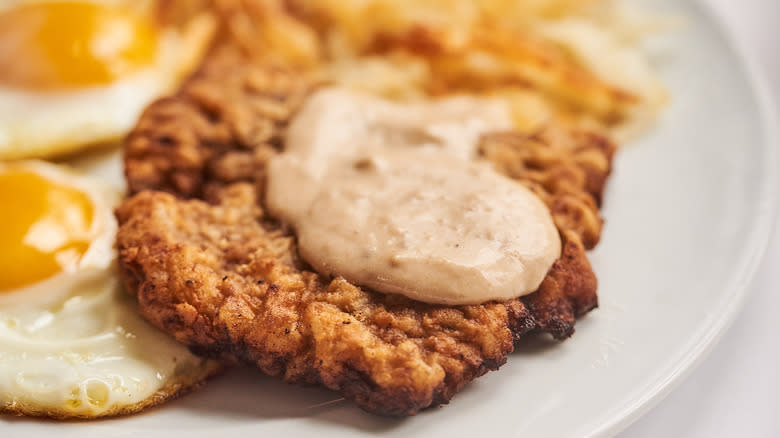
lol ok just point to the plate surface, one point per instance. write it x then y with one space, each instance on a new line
689 211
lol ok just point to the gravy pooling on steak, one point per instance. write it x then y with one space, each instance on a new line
389 196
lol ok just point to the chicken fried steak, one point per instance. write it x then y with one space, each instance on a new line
210 267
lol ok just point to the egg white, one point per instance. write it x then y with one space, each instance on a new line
44 123
74 346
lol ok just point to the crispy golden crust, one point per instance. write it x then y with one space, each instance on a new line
224 278
567 170
219 129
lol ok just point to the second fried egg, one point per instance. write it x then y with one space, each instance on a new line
77 73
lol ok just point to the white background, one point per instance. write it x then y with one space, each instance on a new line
735 392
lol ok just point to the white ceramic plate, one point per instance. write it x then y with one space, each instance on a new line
689 211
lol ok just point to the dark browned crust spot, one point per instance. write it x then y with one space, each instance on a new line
209 267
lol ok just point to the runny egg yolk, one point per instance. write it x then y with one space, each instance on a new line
59 45
44 227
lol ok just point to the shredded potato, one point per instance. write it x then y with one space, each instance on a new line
565 61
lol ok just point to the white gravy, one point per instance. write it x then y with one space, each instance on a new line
388 196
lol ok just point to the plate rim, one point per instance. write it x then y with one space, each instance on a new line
764 228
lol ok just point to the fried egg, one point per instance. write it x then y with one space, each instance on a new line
72 344
78 73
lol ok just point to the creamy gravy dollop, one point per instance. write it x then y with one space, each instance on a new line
388 196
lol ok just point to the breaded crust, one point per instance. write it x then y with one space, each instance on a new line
211 268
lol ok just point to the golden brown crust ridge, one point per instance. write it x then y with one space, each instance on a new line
225 279
218 129
567 170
